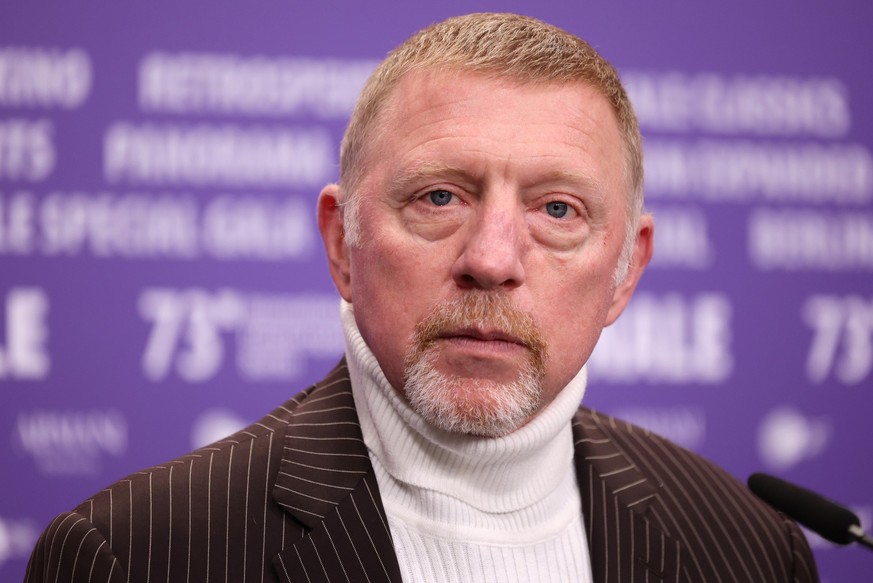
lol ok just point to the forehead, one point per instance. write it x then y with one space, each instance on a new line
455 116
454 89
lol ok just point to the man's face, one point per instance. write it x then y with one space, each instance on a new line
505 203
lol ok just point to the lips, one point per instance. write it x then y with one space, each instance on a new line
481 335
483 325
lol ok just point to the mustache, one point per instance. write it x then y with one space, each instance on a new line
488 311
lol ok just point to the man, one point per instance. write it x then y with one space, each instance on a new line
487 225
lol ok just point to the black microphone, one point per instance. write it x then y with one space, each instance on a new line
828 519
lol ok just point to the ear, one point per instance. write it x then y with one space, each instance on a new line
330 223
642 253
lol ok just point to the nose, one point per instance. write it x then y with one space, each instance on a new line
493 252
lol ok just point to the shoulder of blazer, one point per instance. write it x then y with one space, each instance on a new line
268 430
725 532
168 516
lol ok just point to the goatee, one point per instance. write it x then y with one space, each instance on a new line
476 406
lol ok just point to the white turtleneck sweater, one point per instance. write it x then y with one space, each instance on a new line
466 508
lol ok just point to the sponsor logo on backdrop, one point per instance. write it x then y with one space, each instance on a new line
24 351
670 338
70 442
788 437
17 538
192 330
213 425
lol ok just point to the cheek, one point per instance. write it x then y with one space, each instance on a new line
574 335
576 306
387 287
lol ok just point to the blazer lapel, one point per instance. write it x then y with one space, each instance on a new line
327 483
618 502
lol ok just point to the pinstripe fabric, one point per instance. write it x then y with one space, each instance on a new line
327 483
656 512
293 498
290 498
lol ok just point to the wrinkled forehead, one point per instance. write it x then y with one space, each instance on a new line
452 76
418 85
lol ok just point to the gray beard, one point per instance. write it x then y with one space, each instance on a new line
468 405
471 406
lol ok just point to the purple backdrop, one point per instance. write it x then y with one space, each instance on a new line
162 281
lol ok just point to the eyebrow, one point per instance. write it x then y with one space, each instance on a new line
586 183
403 179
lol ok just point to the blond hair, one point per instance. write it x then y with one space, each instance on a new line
509 46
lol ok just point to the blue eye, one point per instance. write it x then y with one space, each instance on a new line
440 197
557 209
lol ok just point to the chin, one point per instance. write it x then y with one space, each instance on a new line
480 407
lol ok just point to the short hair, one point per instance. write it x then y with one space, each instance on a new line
510 46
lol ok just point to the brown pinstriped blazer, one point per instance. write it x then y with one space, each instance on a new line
294 498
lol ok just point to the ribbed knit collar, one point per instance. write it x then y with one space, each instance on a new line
495 475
